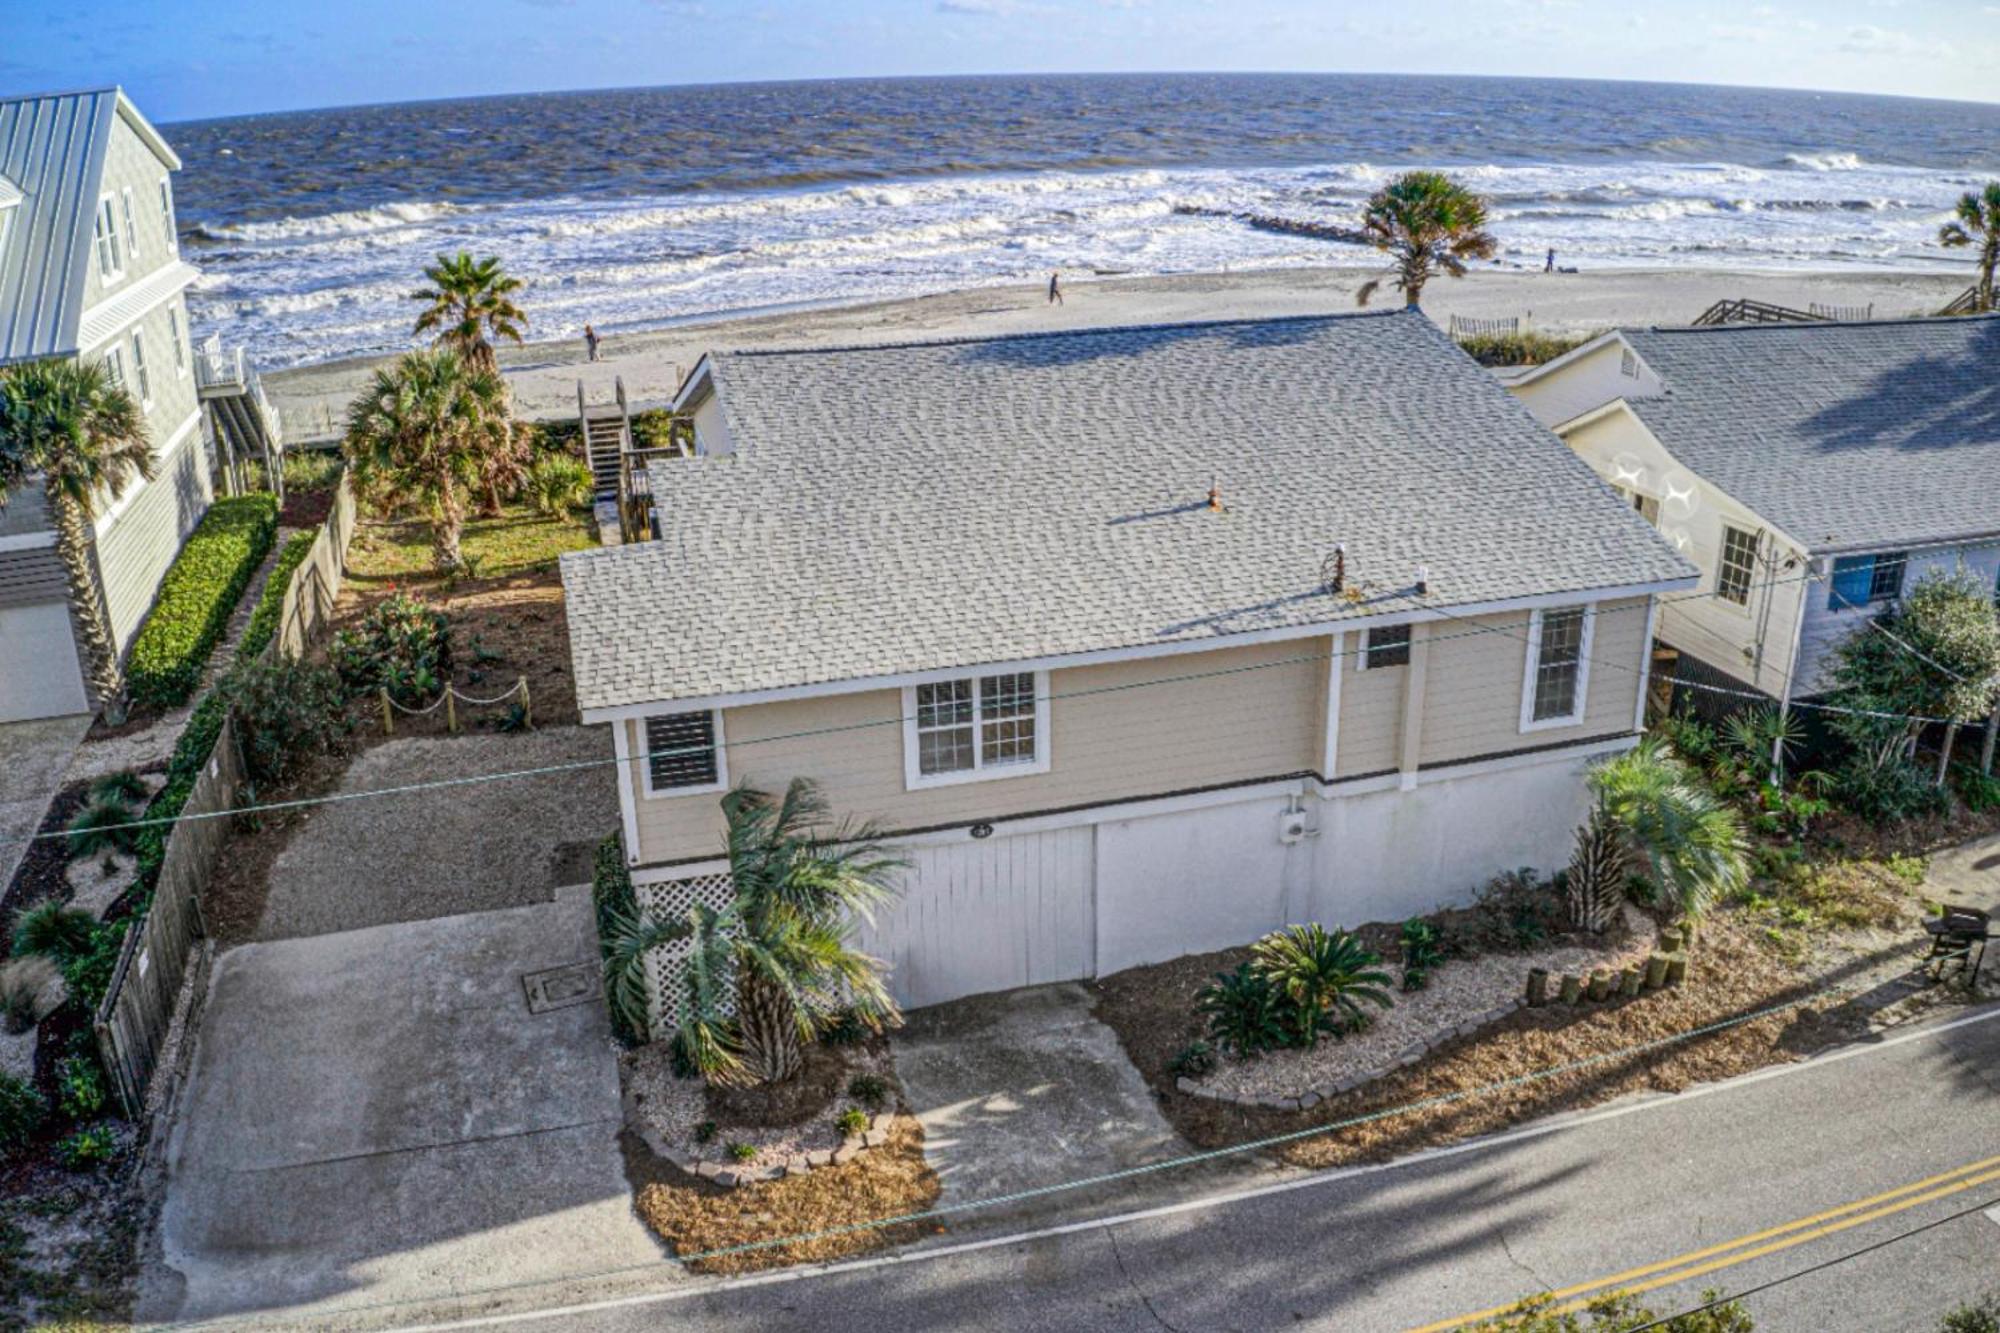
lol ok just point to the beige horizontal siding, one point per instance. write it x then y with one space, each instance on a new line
1131 730
134 552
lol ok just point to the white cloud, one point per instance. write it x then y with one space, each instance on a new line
1866 39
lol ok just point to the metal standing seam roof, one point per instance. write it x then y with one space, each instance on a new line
928 505
52 150
1846 436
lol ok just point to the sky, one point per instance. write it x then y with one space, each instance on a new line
184 60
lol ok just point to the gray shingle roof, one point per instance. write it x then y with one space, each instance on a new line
1844 435
918 506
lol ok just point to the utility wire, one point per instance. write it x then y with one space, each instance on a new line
1668 1321
1111 1177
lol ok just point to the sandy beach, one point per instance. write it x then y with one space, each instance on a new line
545 375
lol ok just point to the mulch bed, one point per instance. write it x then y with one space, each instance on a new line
697 1217
39 877
305 509
1730 974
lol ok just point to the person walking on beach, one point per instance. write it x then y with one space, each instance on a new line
590 341
1549 266
1055 288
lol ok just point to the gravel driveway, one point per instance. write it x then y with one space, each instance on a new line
449 850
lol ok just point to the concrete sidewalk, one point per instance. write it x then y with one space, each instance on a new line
376 1116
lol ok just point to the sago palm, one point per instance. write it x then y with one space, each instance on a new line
1977 222
1323 973
1665 819
86 438
468 300
1427 223
776 952
420 436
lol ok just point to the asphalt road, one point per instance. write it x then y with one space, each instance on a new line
1729 1188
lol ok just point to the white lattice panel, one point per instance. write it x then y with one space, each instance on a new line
671 900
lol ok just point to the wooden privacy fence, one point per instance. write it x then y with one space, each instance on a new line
138 1005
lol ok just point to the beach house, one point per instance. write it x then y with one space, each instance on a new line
1136 641
90 266
1812 471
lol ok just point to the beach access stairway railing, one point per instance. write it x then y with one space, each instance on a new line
1965 303
1846 314
246 425
1743 310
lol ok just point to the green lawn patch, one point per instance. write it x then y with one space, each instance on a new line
518 541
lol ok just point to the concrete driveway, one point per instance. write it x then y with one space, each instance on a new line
377 1116
1024 1089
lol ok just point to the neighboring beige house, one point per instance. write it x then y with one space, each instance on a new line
90 267
1120 634
1811 471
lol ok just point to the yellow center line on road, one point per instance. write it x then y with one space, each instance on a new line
1684 1266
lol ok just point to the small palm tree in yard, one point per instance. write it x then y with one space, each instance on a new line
1654 811
1325 975
468 299
1976 221
777 952
1427 223
86 437
420 436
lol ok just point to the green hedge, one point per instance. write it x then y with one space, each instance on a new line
196 598
263 626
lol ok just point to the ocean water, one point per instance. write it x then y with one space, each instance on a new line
637 208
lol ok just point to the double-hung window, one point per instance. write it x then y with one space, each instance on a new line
139 368
1558 672
1863 580
167 215
110 258
684 753
973 727
131 228
114 367
1388 646
1738 566
175 337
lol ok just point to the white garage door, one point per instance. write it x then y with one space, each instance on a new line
39 676
990 914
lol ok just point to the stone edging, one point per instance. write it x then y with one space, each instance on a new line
1312 1097
730 1173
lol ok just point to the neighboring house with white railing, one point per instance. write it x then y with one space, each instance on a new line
1812 471
90 267
1138 641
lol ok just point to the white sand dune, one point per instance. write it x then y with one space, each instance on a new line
545 375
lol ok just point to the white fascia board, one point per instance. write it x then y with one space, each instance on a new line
697 379
109 318
1140 652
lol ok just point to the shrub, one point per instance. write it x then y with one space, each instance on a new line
743 1152
22 1112
1246 1014
1979 791
611 893
54 931
80 1091
91 1146
1423 951
845 1028
196 597
190 756
851 1121
403 645
87 972
1519 909
658 428
20 1000
868 1089
1327 976
561 436
1525 348
312 470
263 626
284 711
102 826
1193 1060
557 484
705 1131
1614 1312
127 788
1887 791
1979 1317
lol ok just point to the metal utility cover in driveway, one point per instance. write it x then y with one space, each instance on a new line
560 987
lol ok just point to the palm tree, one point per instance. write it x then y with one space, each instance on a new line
1978 223
1653 811
1427 223
69 422
777 951
468 299
1323 974
419 437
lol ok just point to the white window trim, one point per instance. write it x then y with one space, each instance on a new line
142 372
1576 715
177 334
117 273
1361 662
721 782
167 222
131 224
915 779
1721 553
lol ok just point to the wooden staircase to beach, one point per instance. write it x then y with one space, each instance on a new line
246 426
1745 311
